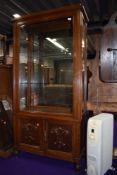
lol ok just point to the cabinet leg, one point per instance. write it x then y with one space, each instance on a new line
77 167
77 164
16 151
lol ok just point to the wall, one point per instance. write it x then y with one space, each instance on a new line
101 96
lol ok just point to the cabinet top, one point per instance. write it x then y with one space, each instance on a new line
52 14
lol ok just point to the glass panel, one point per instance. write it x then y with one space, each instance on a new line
49 65
23 69
84 61
2 48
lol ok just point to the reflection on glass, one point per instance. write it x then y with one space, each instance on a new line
46 66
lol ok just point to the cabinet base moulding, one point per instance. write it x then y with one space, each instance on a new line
6 153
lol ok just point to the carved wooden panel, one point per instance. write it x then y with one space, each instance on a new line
108 71
30 131
102 96
59 136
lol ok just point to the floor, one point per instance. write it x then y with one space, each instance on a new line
30 164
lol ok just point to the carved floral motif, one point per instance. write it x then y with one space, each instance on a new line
60 137
30 132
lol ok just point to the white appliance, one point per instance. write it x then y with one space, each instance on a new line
99 144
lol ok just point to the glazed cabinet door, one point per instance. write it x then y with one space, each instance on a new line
45 60
30 130
60 138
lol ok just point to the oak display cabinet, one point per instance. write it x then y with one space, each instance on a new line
49 69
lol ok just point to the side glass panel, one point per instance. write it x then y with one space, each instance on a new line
84 61
23 70
47 63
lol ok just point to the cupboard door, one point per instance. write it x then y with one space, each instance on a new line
59 136
46 66
30 132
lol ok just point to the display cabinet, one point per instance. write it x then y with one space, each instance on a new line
49 81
